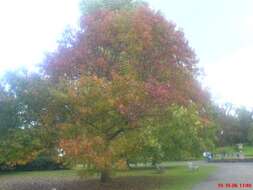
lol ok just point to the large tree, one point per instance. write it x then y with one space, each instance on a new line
114 77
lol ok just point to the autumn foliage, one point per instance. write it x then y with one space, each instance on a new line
114 77
138 42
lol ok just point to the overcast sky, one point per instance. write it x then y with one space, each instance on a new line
220 31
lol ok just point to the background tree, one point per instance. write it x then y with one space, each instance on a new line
245 120
24 98
234 124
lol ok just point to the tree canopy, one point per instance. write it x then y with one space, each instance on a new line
116 76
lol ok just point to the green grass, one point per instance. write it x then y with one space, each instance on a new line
175 177
226 149
183 179
247 150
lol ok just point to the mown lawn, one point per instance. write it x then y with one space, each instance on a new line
226 149
173 178
247 150
177 177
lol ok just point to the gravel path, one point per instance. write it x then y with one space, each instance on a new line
236 176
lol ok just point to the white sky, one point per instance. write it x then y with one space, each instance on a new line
220 31
29 28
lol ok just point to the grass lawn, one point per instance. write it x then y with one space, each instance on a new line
247 150
177 177
226 149
174 178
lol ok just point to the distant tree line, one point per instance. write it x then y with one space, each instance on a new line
235 125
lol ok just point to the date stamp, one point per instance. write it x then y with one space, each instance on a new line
234 185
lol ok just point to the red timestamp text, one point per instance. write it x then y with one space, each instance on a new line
235 185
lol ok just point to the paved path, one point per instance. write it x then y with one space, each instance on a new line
229 175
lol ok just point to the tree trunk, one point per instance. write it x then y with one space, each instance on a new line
128 164
105 176
154 162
